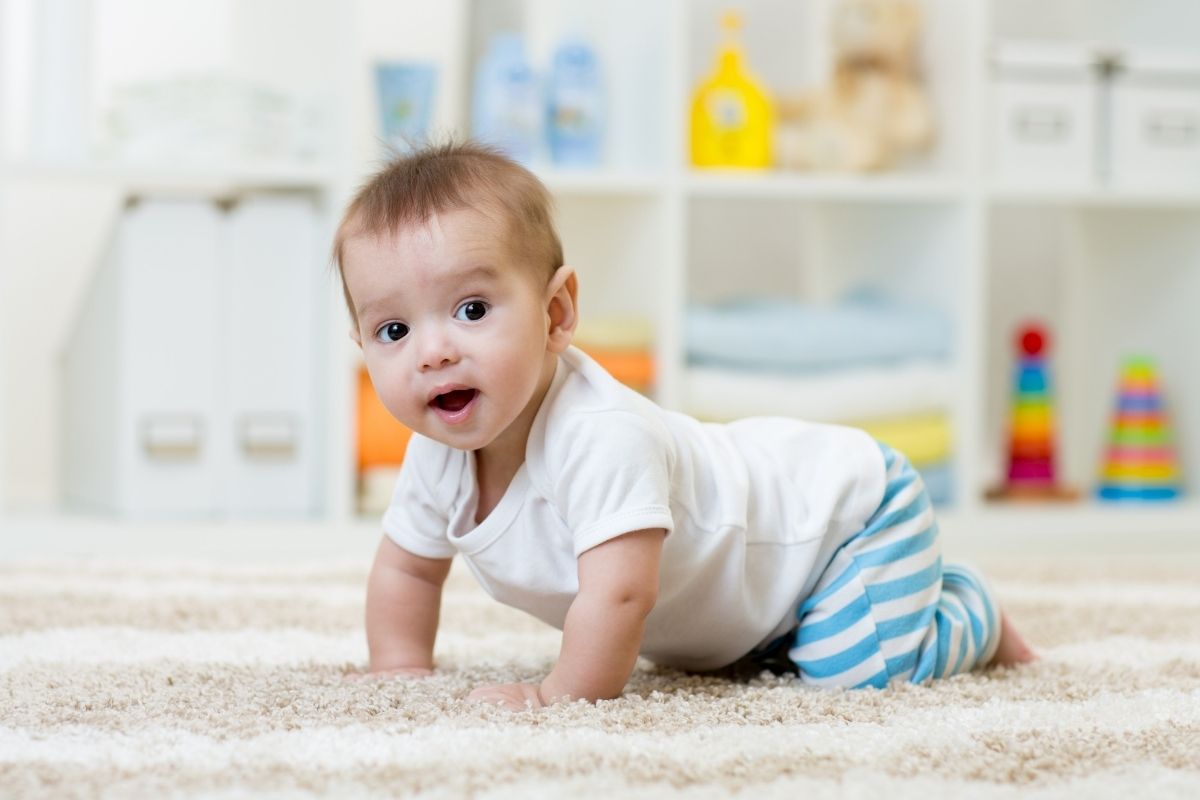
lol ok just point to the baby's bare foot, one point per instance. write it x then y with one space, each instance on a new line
1012 648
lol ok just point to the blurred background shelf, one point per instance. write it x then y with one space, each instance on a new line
1008 531
1101 519
1095 195
219 179
887 188
1112 268
602 183
1087 527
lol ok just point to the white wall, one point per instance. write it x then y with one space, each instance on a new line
137 40
15 77
50 234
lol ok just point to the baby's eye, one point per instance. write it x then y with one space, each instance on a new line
392 332
471 311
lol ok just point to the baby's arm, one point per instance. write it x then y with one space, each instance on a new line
618 586
404 599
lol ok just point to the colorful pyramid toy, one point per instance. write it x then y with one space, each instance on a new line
1031 469
1139 461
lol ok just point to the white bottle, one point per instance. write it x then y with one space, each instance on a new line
506 108
575 106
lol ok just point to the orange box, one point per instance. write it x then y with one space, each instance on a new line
634 368
381 439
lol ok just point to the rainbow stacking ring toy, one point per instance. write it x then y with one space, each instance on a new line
1031 472
1139 460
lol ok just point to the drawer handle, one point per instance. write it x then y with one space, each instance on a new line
172 437
1041 125
1171 129
269 437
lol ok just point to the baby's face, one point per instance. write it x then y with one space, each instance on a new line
453 330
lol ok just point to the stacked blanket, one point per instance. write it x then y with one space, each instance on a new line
867 361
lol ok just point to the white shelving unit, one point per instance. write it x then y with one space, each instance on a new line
1108 269
996 251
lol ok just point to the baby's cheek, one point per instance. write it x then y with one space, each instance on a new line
395 396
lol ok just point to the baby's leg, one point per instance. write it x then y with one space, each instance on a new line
886 608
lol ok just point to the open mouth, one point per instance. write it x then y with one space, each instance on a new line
456 400
453 406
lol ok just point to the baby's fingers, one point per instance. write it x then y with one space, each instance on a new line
493 698
384 674
512 696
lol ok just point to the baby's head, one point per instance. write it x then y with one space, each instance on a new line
413 189
453 275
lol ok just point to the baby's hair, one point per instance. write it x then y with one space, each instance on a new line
432 180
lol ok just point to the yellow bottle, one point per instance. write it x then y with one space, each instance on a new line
731 113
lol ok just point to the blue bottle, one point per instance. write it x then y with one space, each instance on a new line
575 106
506 107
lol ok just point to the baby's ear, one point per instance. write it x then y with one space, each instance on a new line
562 307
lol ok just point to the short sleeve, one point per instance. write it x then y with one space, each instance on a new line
612 477
415 519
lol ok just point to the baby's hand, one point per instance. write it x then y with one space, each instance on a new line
511 696
396 672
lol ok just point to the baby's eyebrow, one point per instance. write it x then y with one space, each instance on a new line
452 278
369 308
478 271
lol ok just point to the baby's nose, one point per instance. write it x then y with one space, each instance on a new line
438 351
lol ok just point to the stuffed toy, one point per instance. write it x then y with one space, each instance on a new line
874 109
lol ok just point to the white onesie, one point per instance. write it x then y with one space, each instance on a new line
755 511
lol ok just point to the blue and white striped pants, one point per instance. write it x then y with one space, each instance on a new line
886 608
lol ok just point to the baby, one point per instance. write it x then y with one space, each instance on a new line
634 530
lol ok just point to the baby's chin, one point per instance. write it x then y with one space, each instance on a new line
465 440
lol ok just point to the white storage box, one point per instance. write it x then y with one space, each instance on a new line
1046 107
191 377
1156 121
140 381
271 293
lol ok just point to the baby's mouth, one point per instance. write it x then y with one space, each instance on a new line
455 400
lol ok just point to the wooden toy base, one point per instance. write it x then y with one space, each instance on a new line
1033 494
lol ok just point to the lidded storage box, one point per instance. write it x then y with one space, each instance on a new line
1156 120
1047 105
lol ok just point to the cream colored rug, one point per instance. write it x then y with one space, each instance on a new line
156 680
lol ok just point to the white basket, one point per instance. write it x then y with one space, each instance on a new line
1047 103
1156 121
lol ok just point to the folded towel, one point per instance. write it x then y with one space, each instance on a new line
939 482
789 336
925 439
866 393
612 332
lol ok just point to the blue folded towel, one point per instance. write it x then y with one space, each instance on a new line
939 482
789 336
